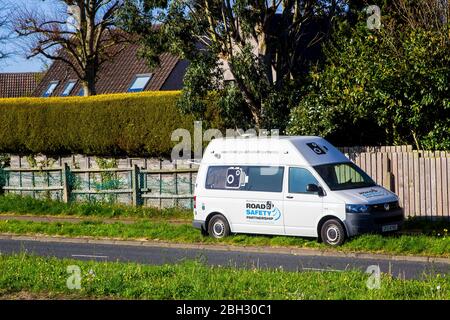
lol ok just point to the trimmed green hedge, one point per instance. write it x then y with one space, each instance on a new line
117 124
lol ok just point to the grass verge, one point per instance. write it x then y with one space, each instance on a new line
26 205
193 280
14 204
184 233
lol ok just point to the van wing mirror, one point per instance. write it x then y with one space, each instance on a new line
312 187
315 188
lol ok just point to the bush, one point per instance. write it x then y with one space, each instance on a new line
137 124
380 87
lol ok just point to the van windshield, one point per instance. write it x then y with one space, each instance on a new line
345 175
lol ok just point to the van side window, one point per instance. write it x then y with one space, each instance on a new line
216 178
299 178
266 179
245 178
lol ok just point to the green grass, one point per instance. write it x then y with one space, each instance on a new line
14 204
184 233
437 227
194 280
434 242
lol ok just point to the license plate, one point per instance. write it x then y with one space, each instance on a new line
389 227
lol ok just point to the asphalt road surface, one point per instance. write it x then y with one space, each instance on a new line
163 255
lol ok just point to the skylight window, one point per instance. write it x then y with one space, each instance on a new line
51 87
68 88
139 82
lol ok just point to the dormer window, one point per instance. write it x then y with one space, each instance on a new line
51 87
139 83
68 88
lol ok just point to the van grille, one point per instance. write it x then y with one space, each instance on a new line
380 207
383 220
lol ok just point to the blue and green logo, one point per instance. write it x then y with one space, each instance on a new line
262 210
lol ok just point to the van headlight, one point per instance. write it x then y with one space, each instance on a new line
357 208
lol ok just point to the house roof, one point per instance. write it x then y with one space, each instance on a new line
21 84
116 75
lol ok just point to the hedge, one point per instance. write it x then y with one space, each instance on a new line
138 124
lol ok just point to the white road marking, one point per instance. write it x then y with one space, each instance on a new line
88 256
318 269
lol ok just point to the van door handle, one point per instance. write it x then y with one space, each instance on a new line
290 197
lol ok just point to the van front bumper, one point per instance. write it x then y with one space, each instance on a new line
359 223
198 224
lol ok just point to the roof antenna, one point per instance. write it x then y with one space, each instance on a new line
247 135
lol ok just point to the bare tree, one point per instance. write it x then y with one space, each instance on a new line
4 34
81 34
425 14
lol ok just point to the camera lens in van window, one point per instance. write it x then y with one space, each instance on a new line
233 178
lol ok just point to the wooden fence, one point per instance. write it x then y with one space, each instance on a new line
131 185
420 178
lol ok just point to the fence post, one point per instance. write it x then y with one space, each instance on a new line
65 182
175 176
135 173
2 179
388 178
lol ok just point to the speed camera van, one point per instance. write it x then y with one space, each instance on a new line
293 186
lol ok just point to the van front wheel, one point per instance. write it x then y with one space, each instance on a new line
333 233
218 227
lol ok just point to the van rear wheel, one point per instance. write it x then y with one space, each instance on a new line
218 227
332 232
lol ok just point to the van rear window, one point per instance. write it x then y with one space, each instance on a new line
245 178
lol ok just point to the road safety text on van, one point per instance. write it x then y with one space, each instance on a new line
264 210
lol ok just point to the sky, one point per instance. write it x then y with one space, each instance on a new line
17 61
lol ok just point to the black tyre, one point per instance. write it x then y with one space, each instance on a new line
218 227
332 232
204 232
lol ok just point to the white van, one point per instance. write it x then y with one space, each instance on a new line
294 186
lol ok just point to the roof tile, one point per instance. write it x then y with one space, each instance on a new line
114 76
22 84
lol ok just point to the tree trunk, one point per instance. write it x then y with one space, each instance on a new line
416 141
253 105
89 81
88 88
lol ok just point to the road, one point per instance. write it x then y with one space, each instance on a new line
162 255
